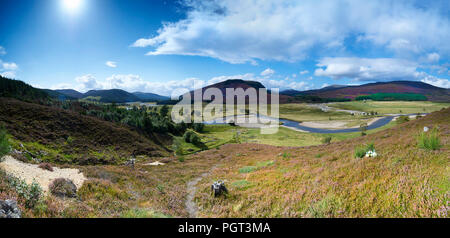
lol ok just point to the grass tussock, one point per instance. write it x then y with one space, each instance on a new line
360 151
429 140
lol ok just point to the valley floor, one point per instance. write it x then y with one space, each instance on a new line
303 178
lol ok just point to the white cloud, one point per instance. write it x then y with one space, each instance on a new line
378 69
438 82
10 66
267 72
240 31
145 42
8 74
325 85
133 83
365 69
304 72
58 86
111 64
2 50
130 83
8 70
267 82
433 57
87 82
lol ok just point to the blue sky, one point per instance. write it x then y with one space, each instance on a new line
162 46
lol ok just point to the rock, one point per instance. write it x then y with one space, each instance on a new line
9 209
62 187
218 188
155 163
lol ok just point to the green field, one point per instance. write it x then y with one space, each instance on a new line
216 135
392 106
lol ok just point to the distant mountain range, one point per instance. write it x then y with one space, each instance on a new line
21 90
70 93
151 97
112 95
340 91
288 96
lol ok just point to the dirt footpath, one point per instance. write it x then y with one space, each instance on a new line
30 172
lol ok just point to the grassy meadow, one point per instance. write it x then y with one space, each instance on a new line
392 107
216 135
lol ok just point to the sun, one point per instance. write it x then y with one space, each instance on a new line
72 6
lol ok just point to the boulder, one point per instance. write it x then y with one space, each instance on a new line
9 209
62 187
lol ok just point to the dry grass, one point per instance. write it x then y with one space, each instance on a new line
403 181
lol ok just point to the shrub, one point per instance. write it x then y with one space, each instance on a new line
4 144
101 190
361 150
181 158
429 140
30 193
370 147
363 128
69 140
326 140
237 137
62 187
177 147
164 111
188 136
402 119
195 139
46 166
198 127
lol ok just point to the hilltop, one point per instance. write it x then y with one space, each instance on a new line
112 95
20 90
244 84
